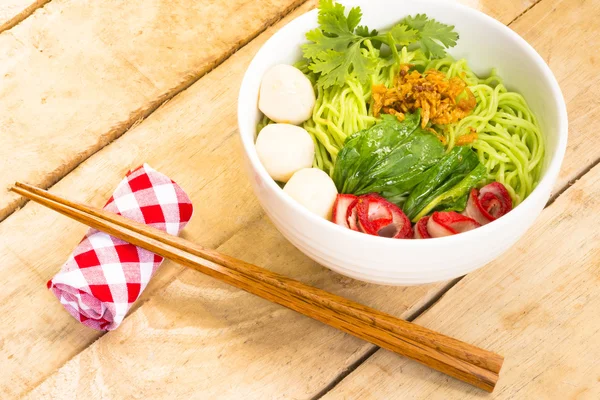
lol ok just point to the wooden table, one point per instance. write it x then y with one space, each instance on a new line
89 89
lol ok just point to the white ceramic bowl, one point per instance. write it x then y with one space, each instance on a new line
485 43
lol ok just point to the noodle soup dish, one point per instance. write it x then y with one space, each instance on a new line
401 142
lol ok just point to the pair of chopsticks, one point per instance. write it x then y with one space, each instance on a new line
460 360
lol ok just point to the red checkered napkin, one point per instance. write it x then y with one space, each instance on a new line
105 275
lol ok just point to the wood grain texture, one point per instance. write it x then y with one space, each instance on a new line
294 358
539 311
199 126
565 35
503 11
196 127
55 60
77 74
173 337
460 360
537 305
264 350
31 252
14 11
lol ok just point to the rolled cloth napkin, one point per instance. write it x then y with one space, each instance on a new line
104 275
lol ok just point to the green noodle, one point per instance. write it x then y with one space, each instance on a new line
509 141
342 110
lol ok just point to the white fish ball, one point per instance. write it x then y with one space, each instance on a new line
284 149
286 95
314 189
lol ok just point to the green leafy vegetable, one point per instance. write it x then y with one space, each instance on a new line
335 46
445 186
433 36
407 166
365 149
403 35
394 176
389 158
364 31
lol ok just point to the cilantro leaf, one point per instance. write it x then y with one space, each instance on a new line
334 53
441 32
434 36
334 66
354 17
323 43
332 18
403 35
431 48
364 31
417 22
334 47
361 65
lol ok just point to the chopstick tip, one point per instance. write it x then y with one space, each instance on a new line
18 188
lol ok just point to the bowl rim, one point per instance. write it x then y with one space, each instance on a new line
546 182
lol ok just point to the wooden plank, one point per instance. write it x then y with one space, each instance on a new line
14 11
198 328
77 74
576 68
189 127
503 11
35 346
191 139
153 52
295 357
537 305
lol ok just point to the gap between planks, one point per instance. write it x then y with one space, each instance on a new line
411 317
570 183
431 302
134 122
23 15
158 102
155 105
142 302
525 11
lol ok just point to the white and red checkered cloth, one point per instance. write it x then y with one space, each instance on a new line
104 275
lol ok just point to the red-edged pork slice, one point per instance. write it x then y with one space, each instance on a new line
379 217
495 199
352 216
421 231
374 213
488 204
400 228
448 223
340 209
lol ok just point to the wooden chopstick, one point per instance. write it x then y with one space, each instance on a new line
458 359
